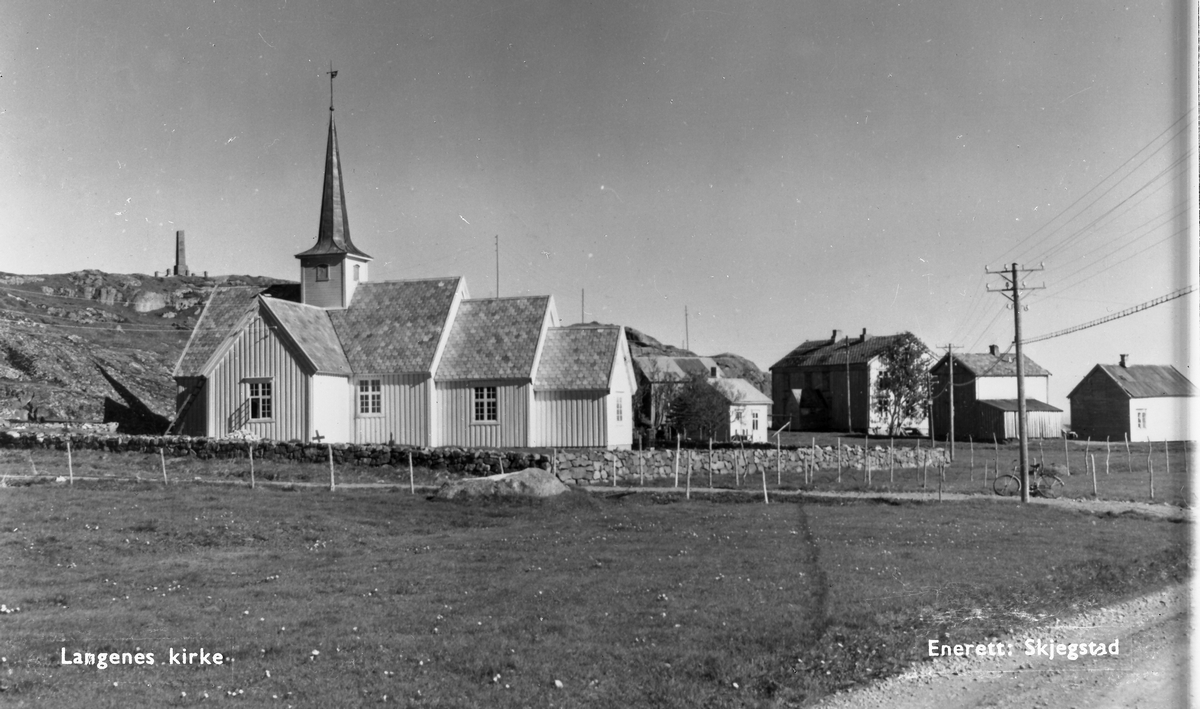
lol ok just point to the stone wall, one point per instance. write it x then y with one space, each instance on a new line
591 466
574 466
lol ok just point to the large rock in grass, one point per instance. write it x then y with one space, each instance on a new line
531 482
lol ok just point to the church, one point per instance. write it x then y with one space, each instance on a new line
341 358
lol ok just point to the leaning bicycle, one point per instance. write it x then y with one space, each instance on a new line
1041 482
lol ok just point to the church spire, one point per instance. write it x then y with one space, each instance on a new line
333 233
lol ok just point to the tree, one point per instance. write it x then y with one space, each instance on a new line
655 397
699 408
902 387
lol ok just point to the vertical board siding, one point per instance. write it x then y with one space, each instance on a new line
570 419
405 404
331 408
456 404
259 352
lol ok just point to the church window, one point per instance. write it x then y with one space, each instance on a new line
620 411
485 404
260 400
356 267
322 272
1141 419
370 397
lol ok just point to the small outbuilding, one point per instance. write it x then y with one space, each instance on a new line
1147 401
984 387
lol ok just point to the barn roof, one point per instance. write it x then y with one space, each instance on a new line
985 364
738 391
827 352
1145 381
333 232
663 368
577 358
1031 405
494 338
395 326
310 329
225 307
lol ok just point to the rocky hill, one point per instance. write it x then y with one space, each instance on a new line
100 347
94 346
732 365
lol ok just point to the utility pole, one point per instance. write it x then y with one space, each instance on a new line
950 392
1012 290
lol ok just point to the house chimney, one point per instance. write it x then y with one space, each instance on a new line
837 335
994 350
1123 362
863 336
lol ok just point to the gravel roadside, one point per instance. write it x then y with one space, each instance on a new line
1149 670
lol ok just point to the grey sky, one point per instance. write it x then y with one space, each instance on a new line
782 169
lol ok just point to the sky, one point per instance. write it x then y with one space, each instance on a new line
778 169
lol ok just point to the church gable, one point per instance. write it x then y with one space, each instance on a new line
226 307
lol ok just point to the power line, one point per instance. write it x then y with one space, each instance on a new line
1114 316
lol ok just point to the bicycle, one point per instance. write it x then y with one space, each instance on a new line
1042 482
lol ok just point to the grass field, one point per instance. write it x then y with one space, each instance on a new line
327 599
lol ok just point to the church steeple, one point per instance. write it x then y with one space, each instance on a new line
334 266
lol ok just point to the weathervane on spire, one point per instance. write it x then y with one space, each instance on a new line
332 76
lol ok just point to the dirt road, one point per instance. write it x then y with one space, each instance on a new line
1148 671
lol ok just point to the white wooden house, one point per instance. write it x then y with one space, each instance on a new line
749 409
1146 401
418 362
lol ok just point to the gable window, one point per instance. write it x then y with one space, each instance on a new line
485 404
260 400
1141 418
754 420
370 397
356 267
620 411
322 272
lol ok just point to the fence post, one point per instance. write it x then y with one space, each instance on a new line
710 462
778 461
251 465
891 460
972 440
1167 450
678 447
70 464
839 477
331 483
867 454
924 467
741 456
163 459
812 461
996 450
688 493
941 479
1095 493
1066 452
412 485
1042 453
1150 464
763 470
1128 455
985 469
1107 453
